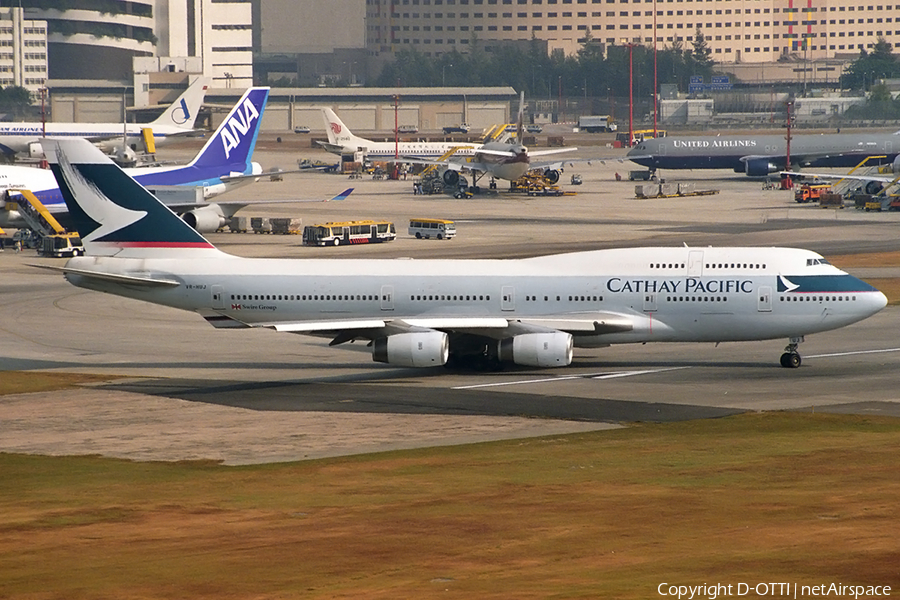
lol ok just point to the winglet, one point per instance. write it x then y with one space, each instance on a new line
342 196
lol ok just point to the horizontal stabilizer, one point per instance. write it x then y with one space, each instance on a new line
114 277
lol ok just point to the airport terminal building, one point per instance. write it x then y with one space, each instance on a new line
737 31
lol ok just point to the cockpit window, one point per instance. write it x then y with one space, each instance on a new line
816 261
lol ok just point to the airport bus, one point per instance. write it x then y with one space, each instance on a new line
441 229
639 136
348 232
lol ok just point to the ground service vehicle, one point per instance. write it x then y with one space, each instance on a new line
348 232
639 136
61 245
810 192
461 128
596 124
441 229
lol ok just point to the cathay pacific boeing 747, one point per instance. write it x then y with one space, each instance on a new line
419 313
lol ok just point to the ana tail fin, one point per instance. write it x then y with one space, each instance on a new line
183 112
233 142
114 214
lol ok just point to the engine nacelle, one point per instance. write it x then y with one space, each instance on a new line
416 349
450 177
551 176
759 167
205 220
874 187
35 150
552 349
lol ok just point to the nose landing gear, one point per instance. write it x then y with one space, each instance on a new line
791 357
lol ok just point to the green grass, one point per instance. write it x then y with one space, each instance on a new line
23 382
761 497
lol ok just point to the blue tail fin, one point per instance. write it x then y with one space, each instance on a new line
115 215
233 142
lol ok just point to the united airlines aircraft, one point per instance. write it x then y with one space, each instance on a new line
223 163
759 155
420 313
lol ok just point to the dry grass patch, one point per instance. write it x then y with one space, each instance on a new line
23 382
763 497
865 260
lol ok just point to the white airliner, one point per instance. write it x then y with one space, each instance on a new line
177 120
419 313
500 160
873 182
343 141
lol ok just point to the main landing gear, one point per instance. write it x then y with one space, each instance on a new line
791 357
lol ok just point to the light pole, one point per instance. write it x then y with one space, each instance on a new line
443 78
630 46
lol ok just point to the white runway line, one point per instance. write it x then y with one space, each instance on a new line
613 375
852 353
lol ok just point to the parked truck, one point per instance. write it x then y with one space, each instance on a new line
810 192
596 124
461 128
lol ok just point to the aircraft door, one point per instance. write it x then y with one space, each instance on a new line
764 296
695 263
649 302
507 297
662 149
387 297
218 297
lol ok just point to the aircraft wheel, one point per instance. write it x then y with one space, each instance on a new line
790 360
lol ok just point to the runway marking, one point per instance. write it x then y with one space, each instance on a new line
613 375
854 352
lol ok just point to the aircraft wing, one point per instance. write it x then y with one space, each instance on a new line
239 204
345 330
878 178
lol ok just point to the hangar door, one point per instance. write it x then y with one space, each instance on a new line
85 109
362 118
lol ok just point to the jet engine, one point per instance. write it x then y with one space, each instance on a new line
874 187
206 219
450 177
414 349
551 176
759 167
35 150
552 349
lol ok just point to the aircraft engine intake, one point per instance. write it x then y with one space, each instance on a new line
551 176
35 150
874 187
552 349
205 220
414 349
451 177
759 167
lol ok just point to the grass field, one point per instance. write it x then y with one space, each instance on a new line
769 497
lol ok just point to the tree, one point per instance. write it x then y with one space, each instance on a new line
14 99
869 67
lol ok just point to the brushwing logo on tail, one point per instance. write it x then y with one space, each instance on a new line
95 203
335 128
238 126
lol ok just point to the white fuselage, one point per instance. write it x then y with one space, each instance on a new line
662 294
26 137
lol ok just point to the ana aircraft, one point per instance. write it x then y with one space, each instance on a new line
223 164
342 141
759 155
177 120
420 313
